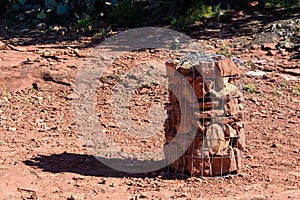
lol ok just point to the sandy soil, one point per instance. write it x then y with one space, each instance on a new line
41 156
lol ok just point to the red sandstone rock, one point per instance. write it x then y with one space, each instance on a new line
241 142
198 87
210 133
238 156
208 114
204 105
228 68
224 164
269 46
215 139
229 131
198 161
232 107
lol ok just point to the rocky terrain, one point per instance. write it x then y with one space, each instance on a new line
43 158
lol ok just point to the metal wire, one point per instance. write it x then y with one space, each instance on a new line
182 169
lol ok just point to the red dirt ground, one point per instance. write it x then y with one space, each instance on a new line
41 156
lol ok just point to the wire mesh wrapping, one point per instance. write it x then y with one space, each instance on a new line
204 131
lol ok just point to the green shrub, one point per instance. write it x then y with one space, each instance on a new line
178 13
85 22
54 11
279 3
127 13
202 12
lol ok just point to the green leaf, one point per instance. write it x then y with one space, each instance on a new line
51 4
41 15
22 2
15 8
35 21
62 9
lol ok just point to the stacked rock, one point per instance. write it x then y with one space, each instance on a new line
204 130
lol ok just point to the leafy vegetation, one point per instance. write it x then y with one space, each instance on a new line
284 84
175 12
296 90
85 22
277 3
249 88
73 12
224 50
201 11
126 13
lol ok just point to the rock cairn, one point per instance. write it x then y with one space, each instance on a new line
204 130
